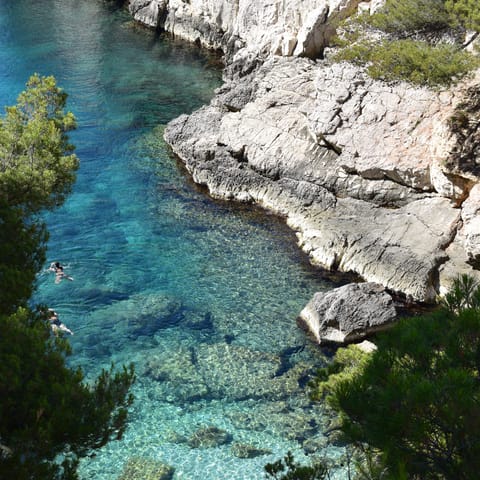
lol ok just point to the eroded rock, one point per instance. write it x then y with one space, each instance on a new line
348 313
263 27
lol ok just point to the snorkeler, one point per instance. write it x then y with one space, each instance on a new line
57 267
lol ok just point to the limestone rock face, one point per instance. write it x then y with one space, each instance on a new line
345 159
264 26
370 175
469 234
348 313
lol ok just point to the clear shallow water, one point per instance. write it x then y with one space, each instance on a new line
200 295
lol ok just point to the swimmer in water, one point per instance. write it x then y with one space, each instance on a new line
57 267
56 324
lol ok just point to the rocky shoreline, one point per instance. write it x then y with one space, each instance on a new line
368 175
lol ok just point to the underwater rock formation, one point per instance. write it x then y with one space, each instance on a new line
209 437
146 469
242 450
222 371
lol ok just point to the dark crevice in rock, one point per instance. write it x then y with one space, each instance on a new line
465 125
323 142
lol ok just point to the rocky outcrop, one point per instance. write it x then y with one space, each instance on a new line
349 313
372 177
354 165
265 27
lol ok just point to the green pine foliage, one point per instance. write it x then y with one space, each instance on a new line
22 254
288 469
402 17
49 416
46 408
417 401
465 13
37 163
347 363
410 60
408 46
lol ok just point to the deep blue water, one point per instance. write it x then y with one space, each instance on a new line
201 295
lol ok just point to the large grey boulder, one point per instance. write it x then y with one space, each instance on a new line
349 313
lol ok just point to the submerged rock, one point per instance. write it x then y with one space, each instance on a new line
348 313
243 450
238 373
178 375
209 437
146 469
222 371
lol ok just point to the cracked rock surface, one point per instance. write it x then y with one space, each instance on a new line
346 160
349 313
371 176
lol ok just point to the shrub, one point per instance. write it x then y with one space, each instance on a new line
410 60
417 401
409 47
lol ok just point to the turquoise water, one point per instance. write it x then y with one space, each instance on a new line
201 295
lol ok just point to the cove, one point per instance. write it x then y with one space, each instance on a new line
200 295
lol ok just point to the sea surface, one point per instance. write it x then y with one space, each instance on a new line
200 295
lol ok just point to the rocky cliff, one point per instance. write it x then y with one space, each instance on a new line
266 27
372 177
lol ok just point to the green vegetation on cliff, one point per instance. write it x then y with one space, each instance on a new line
417 41
49 416
414 405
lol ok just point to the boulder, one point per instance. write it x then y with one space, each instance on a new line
209 437
146 469
349 313
243 450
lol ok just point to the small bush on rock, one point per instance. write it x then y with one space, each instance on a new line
410 60
419 41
